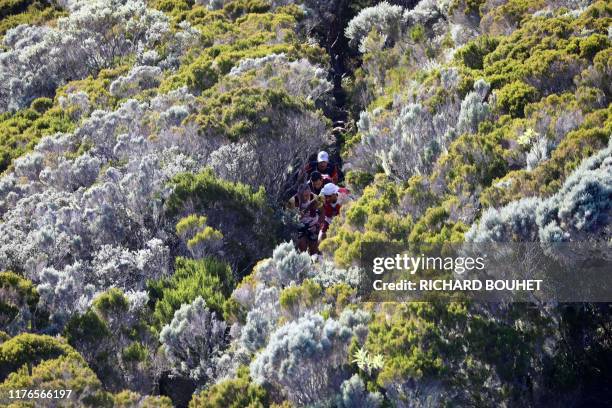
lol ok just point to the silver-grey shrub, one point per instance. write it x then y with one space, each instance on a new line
582 209
354 394
286 265
306 359
385 18
514 222
194 340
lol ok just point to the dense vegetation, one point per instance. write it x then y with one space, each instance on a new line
146 149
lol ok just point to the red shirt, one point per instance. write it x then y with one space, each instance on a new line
329 211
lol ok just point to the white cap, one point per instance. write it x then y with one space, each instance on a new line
322 156
329 189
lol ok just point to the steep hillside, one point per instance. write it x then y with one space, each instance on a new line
148 148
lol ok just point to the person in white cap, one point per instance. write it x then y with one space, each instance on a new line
323 166
330 208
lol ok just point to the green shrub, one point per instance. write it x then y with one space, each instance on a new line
548 177
209 278
242 215
130 399
513 97
34 12
239 392
111 302
16 293
135 352
86 328
31 349
592 44
472 54
294 300
23 129
62 373
41 105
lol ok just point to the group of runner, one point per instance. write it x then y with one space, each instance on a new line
317 202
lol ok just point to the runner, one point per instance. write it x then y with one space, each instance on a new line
307 205
323 166
317 181
330 209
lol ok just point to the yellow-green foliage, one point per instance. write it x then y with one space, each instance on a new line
33 12
295 299
513 97
239 205
239 392
20 131
434 229
111 302
548 177
86 328
31 349
194 229
97 89
546 68
191 222
474 161
472 54
130 399
543 51
205 189
244 110
208 278
208 234
135 352
373 217
15 292
98 323
340 296
510 13
241 30
62 373
70 372
429 340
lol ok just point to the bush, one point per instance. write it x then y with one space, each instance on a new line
32 349
286 265
138 79
580 211
384 18
193 341
239 213
207 278
354 394
513 97
577 212
18 302
41 105
515 222
38 59
232 393
474 109
62 373
113 336
34 12
472 54
305 358
23 129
